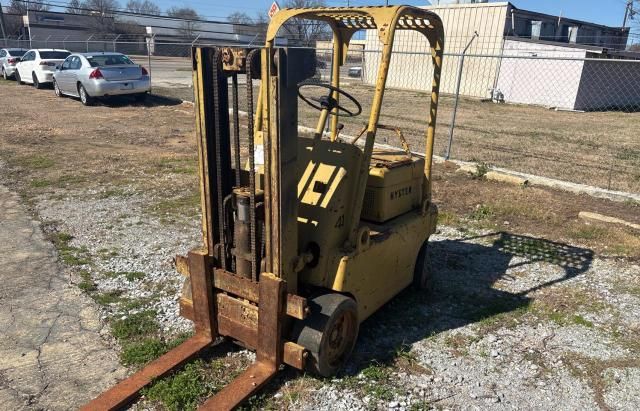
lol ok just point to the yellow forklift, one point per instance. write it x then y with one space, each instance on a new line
303 237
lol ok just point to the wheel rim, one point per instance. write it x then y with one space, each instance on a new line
83 95
35 80
56 88
340 338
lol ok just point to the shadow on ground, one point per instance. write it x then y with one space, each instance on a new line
152 100
465 271
464 275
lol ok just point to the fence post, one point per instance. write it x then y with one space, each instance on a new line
114 42
90 37
64 44
149 41
457 98
46 42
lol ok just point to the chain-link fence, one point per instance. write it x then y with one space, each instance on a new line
552 110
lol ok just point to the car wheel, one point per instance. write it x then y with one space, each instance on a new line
18 78
56 88
36 83
85 98
4 74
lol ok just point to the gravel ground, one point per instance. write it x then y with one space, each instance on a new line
513 321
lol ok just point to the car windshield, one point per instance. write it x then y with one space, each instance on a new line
109 60
54 55
16 52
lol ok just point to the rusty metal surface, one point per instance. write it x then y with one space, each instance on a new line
182 265
128 390
239 286
186 308
200 267
247 336
237 310
294 355
243 387
270 319
296 306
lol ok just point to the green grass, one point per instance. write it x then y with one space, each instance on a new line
87 284
186 205
580 320
37 162
141 352
38 183
590 233
70 255
110 297
447 218
482 212
183 390
129 275
136 325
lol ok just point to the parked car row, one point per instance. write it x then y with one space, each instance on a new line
87 76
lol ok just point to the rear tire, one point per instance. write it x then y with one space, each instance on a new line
4 74
56 88
36 83
18 79
85 98
329 333
423 272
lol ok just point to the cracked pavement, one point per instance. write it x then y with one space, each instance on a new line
52 352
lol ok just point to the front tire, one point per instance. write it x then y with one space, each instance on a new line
423 272
329 333
56 88
85 98
36 83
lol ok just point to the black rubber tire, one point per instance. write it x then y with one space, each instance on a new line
423 271
36 83
85 98
56 89
4 74
329 333
18 79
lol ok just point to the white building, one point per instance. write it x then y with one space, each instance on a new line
501 28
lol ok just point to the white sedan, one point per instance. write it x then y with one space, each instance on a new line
37 66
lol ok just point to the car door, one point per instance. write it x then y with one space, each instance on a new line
62 76
74 71
26 66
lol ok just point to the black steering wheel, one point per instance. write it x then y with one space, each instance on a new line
328 102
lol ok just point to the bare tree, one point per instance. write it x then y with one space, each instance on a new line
103 13
142 6
305 32
256 26
20 7
74 7
189 25
240 17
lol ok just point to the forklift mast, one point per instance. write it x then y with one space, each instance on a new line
250 280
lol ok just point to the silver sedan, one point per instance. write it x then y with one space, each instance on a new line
92 75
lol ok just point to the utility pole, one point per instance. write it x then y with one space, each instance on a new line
2 24
629 12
